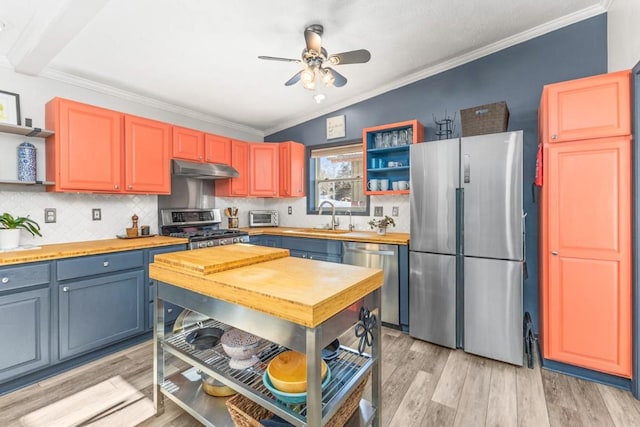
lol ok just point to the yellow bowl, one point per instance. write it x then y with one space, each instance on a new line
288 372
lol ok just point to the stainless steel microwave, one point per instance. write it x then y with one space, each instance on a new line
268 218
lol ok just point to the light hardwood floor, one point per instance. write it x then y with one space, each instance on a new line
423 385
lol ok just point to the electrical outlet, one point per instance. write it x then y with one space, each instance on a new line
377 211
49 215
96 214
394 211
290 210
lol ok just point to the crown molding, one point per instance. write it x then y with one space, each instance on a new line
532 33
606 4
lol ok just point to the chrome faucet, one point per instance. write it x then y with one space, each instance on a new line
334 221
348 211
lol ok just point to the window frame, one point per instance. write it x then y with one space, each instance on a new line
310 181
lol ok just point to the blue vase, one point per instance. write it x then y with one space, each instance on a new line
27 162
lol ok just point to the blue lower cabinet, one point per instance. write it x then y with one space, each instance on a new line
317 249
96 312
24 330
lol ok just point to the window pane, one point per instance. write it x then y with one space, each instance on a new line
338 177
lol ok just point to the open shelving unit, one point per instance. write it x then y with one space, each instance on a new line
378 156
15 185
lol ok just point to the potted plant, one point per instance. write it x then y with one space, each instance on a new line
380 225
10 229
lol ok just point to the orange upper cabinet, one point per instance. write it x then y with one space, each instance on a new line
188 144
587 288
592 107
217 149
85 153
263 169
292 162
147 145
234 187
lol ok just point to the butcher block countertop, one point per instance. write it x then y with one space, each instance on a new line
318 233
91 247
306 292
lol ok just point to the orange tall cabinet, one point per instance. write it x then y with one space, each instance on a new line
585 223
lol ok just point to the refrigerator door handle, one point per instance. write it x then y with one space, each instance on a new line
467 168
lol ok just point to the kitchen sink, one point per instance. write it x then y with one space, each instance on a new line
317 231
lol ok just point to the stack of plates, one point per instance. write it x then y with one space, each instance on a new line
331 351
293 398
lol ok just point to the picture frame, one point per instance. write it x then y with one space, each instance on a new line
336 127
9 108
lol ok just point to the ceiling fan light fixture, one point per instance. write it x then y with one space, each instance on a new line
327 77
309 85
308 75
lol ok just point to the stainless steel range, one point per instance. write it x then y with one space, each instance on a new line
200 226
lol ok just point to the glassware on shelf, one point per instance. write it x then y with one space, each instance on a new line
378 140
402 137
394 138
386 139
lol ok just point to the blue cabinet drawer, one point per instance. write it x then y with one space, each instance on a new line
98 264
23 276
332 247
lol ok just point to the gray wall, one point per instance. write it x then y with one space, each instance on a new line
515 75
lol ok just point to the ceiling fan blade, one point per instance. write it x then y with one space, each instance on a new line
295 79
313 37
340 80
353 57
275 58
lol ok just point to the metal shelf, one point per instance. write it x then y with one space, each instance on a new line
212 411
347 371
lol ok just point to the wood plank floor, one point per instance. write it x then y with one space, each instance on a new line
423 385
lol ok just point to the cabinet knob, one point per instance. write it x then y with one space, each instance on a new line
554 136
117 187
169 310
65 289
5 280
310 257
200 157
554 253
106 263
130 187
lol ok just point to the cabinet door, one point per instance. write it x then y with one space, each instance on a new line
292 170
263 169
588 294
217 149
97 312
593 107
25 332
239 186
188 144
88 148
147 156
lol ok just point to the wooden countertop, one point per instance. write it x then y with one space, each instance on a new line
91 247
306 292
344 235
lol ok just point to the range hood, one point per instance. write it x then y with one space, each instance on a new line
203 170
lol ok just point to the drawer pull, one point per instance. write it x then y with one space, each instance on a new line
5 280
106 263
554 253
554 136
65 289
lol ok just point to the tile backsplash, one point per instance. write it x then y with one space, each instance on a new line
299 217
73 210
74 217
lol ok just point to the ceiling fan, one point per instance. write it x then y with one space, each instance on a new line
316 59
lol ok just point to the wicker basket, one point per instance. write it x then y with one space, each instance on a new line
484 119
246 413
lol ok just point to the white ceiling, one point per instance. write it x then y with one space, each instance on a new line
201 55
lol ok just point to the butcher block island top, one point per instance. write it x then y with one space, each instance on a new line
306 292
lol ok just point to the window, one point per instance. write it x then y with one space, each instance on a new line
336 176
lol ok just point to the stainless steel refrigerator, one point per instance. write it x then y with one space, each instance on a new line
467 244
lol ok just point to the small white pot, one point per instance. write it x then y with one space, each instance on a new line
9 238
382 231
